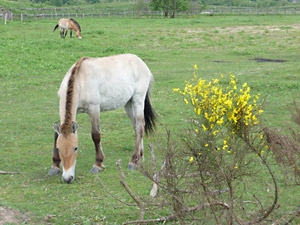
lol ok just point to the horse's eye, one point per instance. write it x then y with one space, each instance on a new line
58 150
75 149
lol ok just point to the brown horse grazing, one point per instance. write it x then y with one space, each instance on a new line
68 24
91 86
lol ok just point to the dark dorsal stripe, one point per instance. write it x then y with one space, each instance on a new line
77 24
66 127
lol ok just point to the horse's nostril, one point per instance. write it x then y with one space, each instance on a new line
69 180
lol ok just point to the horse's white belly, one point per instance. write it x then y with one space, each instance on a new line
63 25
108 98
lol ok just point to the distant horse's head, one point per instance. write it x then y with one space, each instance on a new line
78 34
77 28
67 146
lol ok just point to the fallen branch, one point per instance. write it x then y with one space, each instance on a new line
5 172
173 217
162 219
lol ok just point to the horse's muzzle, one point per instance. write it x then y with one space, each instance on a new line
68 180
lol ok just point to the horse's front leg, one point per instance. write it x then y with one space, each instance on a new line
70 33
55 169
66 33
96 136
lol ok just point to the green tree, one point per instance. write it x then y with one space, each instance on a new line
57 2
170 7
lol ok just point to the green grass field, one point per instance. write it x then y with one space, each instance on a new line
34 60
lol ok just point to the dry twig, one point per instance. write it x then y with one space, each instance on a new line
5 172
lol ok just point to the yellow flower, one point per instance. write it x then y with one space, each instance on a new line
191 159
199 111
215 132
219 122
186 101
196 131
195 67
215 81
204 128
206 145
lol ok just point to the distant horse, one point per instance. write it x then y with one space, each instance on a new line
68 24
91 86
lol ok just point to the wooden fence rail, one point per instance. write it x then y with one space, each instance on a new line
21 14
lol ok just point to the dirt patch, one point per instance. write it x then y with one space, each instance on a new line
269 60
12 216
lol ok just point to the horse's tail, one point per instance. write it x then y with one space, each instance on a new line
55 27
149 115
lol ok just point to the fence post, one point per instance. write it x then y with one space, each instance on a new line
11 18
5 18
21 17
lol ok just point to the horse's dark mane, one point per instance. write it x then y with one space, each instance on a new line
77 24
67 125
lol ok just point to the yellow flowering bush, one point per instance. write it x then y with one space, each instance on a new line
223 108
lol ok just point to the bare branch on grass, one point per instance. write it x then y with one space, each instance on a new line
6 172
173 217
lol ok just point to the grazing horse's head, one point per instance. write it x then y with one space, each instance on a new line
67 146
78 34
77 28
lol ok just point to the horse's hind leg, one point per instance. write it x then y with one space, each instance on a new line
66 33
55 169
96 136
135 111
70 33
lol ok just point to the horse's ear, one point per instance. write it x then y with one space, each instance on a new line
74 127
56 127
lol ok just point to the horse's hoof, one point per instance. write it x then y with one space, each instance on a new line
95 169
54 171
131 166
